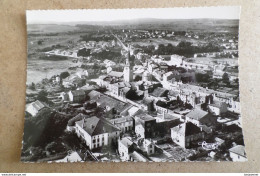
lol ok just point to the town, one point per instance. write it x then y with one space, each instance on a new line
137 95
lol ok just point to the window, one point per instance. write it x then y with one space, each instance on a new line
151 146
94 140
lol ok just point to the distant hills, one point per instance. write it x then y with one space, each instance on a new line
210 25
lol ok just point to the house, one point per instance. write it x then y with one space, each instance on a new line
176 60
77 96
238 153
124 123
81 73
71 122
110 104
149 146
137 157
96 132
64 96
72 157
184 134
217 107
132 111
109 63
35 107
73 80
159 92
200 118
219 141
116 74
168 76
145 126
125 147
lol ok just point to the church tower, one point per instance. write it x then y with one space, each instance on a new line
128 70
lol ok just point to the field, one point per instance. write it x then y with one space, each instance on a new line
38 69
174 41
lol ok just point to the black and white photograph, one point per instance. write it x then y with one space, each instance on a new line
133 85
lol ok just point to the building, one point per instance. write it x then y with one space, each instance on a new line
138 157
159 92
128 70
71 123
149 146
35 107
124 123
72 157
125 147
202 118
238 153
217 108
176 60
186 133
81 73
77 96
96 132
145 126
73 81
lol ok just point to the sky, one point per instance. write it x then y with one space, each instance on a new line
61 16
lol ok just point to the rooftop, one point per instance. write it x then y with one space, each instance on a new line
38 105
95 126
159 92
145 117
120 120
78 117
138 157
187 129
126 142
239 149
78 93
115 74
197 114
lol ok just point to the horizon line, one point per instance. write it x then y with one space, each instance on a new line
125 20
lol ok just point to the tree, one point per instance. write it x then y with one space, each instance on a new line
64 75
32 86
42 96
40 42
184 44
225 78
138 78
83 52
202 77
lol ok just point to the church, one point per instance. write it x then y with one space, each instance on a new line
128 69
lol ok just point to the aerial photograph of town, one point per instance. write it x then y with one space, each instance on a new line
148 85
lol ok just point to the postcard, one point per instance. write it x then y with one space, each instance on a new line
136 85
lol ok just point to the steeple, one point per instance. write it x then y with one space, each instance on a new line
127 62
128 73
